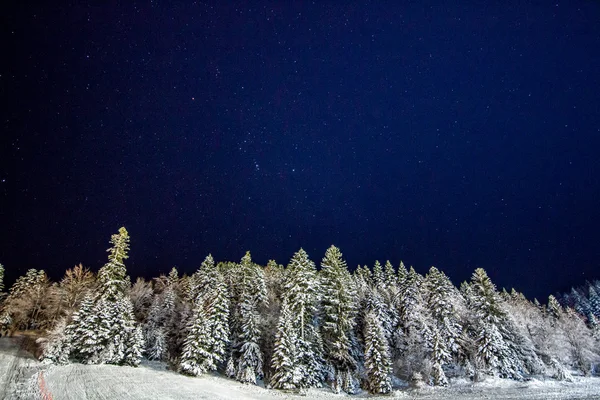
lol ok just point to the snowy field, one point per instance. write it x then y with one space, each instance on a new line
18 371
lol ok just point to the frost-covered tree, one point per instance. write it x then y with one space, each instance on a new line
338 314
389 274
208 333
274 281
554 307
77 282
112 277
26 305
250 292
104 329
443 301
287 370
378 276
161 326
494 333
413 336
377 356
1 278
301 292
439 357
56 344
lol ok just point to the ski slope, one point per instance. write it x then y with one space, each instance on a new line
19 371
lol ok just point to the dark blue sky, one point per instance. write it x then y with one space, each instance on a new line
457 136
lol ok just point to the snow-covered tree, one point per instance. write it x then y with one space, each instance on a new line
443 300
112 277
161 328
104 329
378 276
287 371
25 307
377 356
494 333
389 274
208 333
301 291
1 278
439 357
338 313
554 307
251 294
413 336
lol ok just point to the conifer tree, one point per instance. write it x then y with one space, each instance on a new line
105 330
496 338
442 303
1 278
389 273
439 357
402 272
208 332
301 292
338 318
251 295
414 338
285 362
378 276
377 356
554 307
113 276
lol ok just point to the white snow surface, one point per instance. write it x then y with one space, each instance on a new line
152 380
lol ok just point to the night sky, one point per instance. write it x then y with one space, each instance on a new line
457 136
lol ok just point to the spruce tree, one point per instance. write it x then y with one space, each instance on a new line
439 357
377 356
208 331
389 274
301 291
112 277
497 349
442 302
105 330
338 318
378 276
1 278
413 339
285 362
251 295
554 307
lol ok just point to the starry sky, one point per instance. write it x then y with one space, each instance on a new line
459 136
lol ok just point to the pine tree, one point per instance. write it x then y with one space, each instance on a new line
554 307
594 300
285 362
251 294
439 357
338 318
301 291
208 332
414 338
402 272
496 338
442 302
377 356
113 276
378 276
104 329
389 273
1 278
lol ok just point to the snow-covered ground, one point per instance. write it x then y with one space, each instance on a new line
153 381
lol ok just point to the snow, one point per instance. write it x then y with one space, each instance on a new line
151 380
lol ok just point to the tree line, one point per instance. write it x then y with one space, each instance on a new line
299 326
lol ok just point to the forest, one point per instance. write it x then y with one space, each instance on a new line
301 326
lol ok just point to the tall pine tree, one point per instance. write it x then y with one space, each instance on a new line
339 310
